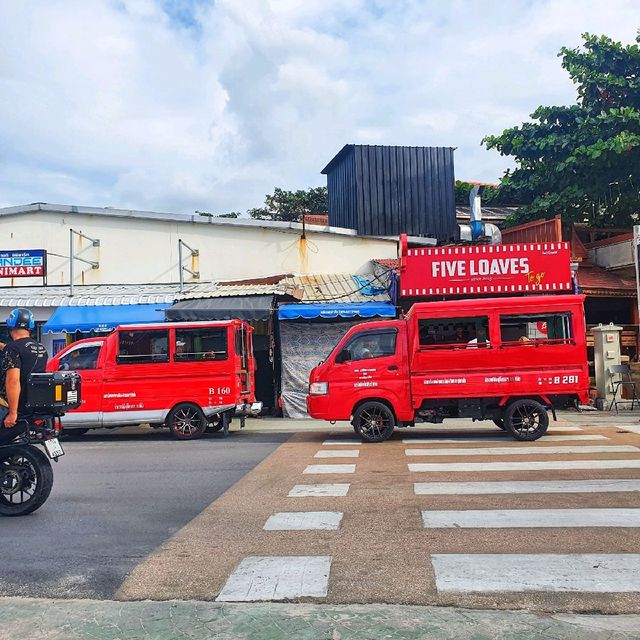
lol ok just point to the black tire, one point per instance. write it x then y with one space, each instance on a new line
374 422
526 420
71 434
186 421
499 422
215 424
31 469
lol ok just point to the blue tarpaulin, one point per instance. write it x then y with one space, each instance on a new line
103 318
340 310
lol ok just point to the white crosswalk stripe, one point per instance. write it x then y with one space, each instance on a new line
337 490
505 439
341 453
519 487
330 468
599 573
303 521
552 465
530 518
522 450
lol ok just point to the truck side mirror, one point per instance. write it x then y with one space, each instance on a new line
343 356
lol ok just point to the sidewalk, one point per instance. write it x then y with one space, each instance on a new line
30 619
583 418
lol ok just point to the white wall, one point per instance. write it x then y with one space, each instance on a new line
613 256
134 250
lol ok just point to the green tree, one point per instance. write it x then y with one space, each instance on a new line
491 196
289 206
582 161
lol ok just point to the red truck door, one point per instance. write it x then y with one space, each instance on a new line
372 363
87 359
244 356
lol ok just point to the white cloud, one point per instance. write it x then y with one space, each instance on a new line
117 102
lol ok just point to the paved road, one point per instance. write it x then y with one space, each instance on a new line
115 499
414 521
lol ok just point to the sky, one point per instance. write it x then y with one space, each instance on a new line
185 105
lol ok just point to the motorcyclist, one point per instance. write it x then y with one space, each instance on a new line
20 358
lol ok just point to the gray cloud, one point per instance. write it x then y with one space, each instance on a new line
201 105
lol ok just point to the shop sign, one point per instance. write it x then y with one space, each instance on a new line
485 269
29 263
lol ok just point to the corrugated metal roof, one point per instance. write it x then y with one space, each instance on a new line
338 287
94 295
225 291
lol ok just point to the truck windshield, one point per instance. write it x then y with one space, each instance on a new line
370 345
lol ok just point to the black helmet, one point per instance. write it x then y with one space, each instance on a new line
21 319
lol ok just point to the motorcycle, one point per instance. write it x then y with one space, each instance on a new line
26 475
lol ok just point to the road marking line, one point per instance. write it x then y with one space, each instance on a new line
629 429
545 438
303 521
600 573
519 450
560 465
319 490
560 486
342 453
331 468
277 578
530 518
349 441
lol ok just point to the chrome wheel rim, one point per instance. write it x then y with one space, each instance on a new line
19 480
374 422
526 419
187 421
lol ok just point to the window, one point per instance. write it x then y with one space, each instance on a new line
80 359
143 346
371 345
536 329
452 333
205 343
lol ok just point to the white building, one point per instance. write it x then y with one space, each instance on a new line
141 247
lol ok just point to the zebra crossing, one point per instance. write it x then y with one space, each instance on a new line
580 483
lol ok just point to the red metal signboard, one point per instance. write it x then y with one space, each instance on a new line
485 269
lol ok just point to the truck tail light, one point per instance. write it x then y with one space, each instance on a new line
318 388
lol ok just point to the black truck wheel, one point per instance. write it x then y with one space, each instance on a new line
374 422
186 421
26 479
215 423
526 419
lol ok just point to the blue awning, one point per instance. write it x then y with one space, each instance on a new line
103 318
341 310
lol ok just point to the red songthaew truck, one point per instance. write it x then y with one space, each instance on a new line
191 377
509 360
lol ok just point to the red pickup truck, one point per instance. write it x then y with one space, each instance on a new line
509 360
187 376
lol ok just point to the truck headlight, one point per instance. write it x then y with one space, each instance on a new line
318 388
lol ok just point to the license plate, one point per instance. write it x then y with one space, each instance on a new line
54 448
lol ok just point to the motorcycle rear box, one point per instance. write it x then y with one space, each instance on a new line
54 393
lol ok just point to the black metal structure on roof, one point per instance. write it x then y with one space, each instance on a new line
384 190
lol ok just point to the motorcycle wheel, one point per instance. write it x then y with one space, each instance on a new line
26 479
